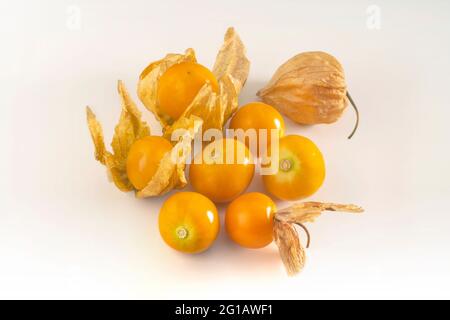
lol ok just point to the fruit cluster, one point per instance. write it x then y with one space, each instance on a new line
184 94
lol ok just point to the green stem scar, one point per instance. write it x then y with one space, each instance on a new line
285 165
182 233
357 114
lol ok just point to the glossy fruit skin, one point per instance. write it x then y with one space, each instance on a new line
301 170
143 159
179 85
220 181
249 220
258 115
189 222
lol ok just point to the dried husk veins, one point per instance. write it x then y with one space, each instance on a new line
129 129
231 60
309 88
286 237
231 70
291 251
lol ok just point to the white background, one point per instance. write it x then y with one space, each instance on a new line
65 232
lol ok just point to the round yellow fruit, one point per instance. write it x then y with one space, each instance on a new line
143 159
301 169
189 222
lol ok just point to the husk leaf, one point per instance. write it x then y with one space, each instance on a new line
129 129
291 251
170 173
96 131
308 211
286 237
148 82
232 61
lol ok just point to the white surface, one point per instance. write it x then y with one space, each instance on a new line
65 232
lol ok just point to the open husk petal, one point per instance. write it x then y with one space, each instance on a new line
170 173
231 60
231 70
129 129
291 251
214 109
308 211
204 106
98 139
149 78
286 237
117 174
228 97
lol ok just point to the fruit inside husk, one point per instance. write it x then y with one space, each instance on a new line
169 173
179 85
218 90
310 88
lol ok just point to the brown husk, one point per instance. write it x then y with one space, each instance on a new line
291 251
286 237
309 88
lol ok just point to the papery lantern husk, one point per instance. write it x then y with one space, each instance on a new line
309 88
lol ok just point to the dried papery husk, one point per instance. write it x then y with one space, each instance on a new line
170 173
129 129
148 82
309 88
231 60
286 237
231 70
214 109
291 251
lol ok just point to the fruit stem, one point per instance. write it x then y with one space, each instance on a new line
307 233
357 114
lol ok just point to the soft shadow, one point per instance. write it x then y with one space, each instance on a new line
248 93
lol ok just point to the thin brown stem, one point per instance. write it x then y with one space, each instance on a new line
308 241
357 114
